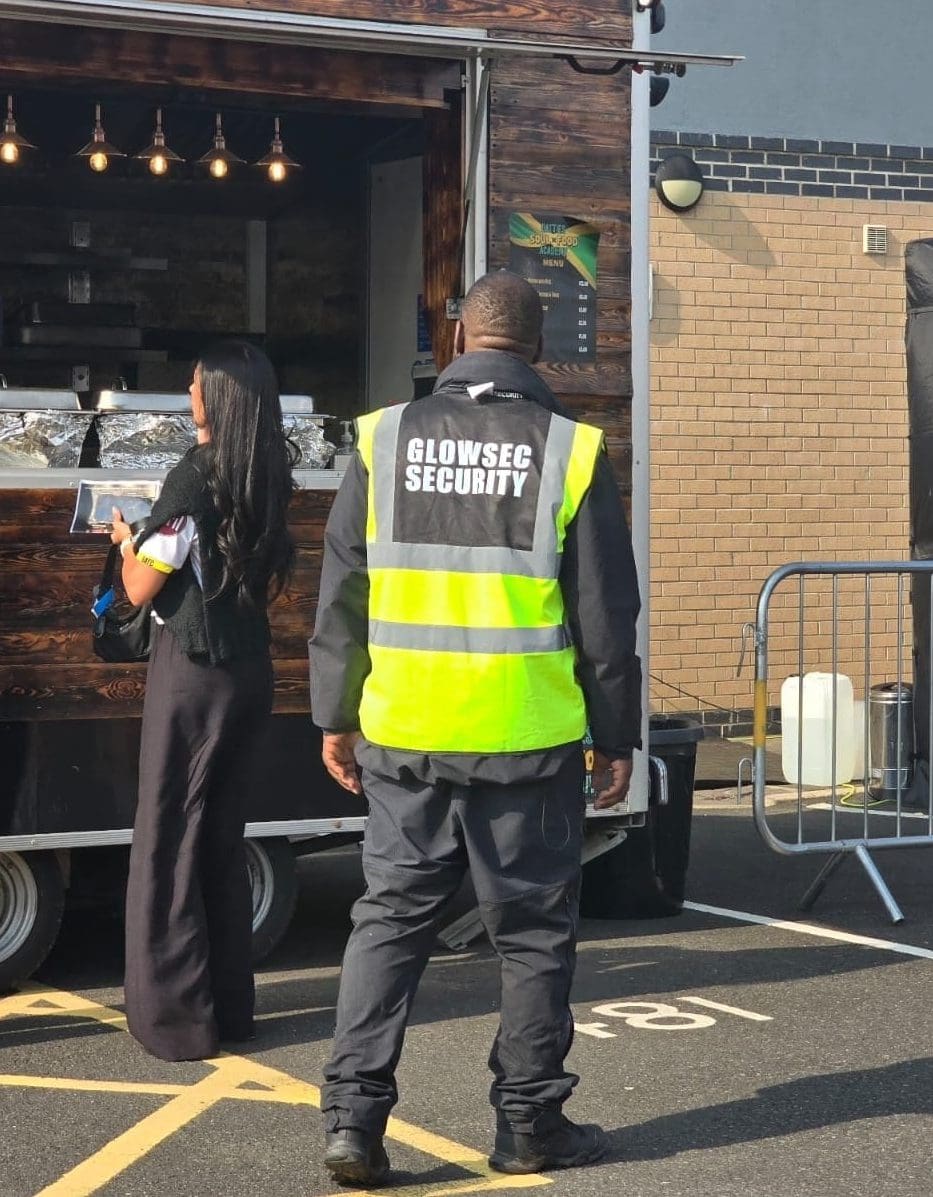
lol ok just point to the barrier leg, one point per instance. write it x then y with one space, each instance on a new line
874 876
819 882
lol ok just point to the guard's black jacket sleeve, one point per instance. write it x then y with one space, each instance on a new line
338 652
600 589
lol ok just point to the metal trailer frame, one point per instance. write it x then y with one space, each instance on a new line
477 49
838 848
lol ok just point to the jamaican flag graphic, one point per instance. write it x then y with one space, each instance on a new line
558 256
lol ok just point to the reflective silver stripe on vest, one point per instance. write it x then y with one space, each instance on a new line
385 449
462 559
432 638
541 561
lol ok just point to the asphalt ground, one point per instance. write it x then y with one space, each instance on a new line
724 1056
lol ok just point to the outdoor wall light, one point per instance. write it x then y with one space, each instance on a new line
659 87
157 153
219 159
679 183
277 161
98 150
12 142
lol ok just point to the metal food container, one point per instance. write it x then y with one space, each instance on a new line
143 430
305 429
41 428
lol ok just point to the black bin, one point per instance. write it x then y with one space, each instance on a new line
646 875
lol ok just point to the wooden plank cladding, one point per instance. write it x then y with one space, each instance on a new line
608 22
41 52
47 668
560 145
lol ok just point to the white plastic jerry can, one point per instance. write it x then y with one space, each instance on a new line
813 732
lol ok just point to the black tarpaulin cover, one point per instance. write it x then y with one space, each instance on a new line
919 270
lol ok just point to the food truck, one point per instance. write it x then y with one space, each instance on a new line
326 177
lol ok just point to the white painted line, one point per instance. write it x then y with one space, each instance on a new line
864 941
596 1029
698 1001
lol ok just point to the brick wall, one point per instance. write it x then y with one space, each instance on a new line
779 433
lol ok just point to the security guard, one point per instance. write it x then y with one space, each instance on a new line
477 606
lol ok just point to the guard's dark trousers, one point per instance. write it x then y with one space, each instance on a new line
522 844
189 976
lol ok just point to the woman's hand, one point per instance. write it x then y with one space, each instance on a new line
121 529
140 581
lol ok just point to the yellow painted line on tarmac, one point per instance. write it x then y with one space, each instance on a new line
126 1149
496 1182
79 1085
236 1078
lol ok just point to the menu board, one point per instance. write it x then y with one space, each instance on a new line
558 256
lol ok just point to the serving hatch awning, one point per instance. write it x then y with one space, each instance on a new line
306 29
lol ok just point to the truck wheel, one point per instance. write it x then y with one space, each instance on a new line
274 885
32 899
643 878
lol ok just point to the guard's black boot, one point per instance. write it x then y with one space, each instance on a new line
355 1157
557 1143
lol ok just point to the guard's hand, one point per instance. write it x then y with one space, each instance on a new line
339 761
612 779
121 529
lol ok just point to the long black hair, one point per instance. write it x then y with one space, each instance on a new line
249 470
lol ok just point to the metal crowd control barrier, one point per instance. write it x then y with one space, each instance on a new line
866 811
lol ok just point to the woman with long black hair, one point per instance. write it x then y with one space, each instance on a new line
211 555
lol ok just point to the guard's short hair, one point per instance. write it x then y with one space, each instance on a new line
503 306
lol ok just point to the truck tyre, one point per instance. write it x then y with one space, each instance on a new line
645 876
271 864
32 899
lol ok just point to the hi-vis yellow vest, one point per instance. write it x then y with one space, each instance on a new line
469 645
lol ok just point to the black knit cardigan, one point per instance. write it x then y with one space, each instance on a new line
207 624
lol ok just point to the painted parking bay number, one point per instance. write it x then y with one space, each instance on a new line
661 1016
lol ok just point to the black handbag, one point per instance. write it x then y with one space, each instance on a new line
116 638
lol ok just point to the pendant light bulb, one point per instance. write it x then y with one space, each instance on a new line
12 141
98 150
219 159
277 162
157 154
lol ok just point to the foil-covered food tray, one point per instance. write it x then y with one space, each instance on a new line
44 439
143 440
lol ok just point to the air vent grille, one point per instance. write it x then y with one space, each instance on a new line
874 239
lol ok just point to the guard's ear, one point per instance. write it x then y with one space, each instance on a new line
459 340
539 350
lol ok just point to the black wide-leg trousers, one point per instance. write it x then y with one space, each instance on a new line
522 844
189 975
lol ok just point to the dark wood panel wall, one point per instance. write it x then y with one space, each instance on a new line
34 52
610 21
559 145
47 667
